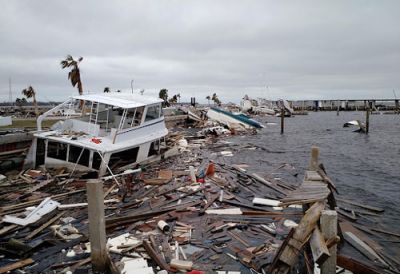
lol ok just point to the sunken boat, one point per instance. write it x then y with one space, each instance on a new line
108 132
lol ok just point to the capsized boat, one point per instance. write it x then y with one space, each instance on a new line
114 130
227 118
361 126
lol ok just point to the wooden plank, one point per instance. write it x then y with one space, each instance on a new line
289 255
319 249
7 229
361 246
210 201
314 158
386 232
43 226
4 209
312 175
97 230
329 225
157 258
372 208
347 215
16 265
355 266
347 226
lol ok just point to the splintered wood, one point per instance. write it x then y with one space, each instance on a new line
308 192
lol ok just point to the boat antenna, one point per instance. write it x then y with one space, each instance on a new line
394 93
132 85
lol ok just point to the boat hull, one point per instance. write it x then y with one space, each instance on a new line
229 118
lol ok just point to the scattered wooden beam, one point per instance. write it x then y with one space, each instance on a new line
289 255
157 258
372 208
355 266
319 249
43 226
16 265
328 223
386 232
361 246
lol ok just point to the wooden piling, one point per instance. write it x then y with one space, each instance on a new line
314 158
338 107
328 222
367 121
282 120
97 230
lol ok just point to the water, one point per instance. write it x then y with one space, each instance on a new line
364 168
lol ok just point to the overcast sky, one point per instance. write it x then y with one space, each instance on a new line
299 49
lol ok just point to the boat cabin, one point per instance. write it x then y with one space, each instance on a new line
101 132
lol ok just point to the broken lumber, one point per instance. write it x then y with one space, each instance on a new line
16 265
319 249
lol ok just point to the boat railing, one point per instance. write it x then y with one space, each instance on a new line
49 112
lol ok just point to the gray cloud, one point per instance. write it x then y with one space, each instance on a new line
301 50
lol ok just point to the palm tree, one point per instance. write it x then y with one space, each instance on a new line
18 102
106 90
74 75
163 94
216 99
179 97
29 92
174 99
208 98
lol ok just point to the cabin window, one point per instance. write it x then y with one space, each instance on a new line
123 158
79 155
96 160
57 150
153 112
133 117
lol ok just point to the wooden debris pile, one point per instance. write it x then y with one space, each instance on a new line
183 214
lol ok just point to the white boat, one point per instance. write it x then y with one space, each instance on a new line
231 119
255 106
283 104
114 131
263 110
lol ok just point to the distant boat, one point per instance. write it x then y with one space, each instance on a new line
286 106
227 118
257 107
357 123
263 110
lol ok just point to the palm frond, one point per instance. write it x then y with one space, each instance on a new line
64 64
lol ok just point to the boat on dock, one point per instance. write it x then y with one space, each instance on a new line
229 118
114 131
